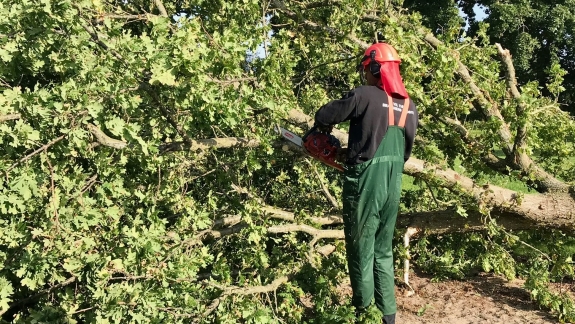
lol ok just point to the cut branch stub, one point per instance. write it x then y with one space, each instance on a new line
9 117
104 139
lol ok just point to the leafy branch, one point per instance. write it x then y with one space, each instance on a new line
517 159
32 298
490 159
311 25
37 151
262 289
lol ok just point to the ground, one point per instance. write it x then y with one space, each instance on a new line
480 299
484 298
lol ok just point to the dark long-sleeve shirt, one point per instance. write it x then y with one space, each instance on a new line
366 109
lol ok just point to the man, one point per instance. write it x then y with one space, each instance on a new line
383 123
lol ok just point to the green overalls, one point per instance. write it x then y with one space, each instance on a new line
371 193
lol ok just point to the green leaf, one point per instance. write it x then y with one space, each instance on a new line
163 76
6 292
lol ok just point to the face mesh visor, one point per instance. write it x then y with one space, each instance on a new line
361 69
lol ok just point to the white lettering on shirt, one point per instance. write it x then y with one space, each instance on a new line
397 107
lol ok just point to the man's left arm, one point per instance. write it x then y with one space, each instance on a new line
411 124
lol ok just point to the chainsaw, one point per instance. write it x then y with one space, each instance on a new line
319 145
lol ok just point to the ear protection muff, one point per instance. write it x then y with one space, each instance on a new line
373 65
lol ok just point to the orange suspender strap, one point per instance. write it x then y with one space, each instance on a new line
404 113
391 116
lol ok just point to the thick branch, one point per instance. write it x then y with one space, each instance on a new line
276 213
161 8
316 233
299 118
236 225
449 221
204 144
552 210
521 136
277 229
433 222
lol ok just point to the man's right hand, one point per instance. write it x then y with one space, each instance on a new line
341 155
325 129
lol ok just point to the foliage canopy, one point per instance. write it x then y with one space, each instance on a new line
144 182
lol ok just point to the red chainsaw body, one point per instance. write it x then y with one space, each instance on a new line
323 147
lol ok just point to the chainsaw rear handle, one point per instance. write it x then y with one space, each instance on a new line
321 129
311 130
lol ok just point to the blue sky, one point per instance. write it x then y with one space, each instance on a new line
479 12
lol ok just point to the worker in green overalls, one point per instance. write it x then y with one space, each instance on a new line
383 123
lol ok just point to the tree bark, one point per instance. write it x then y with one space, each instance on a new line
204 144
443 221
9 117
161 8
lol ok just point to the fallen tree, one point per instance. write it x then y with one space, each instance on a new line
143 179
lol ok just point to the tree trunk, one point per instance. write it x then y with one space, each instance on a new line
448 221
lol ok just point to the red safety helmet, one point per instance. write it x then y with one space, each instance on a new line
382 61
383 53
376 54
